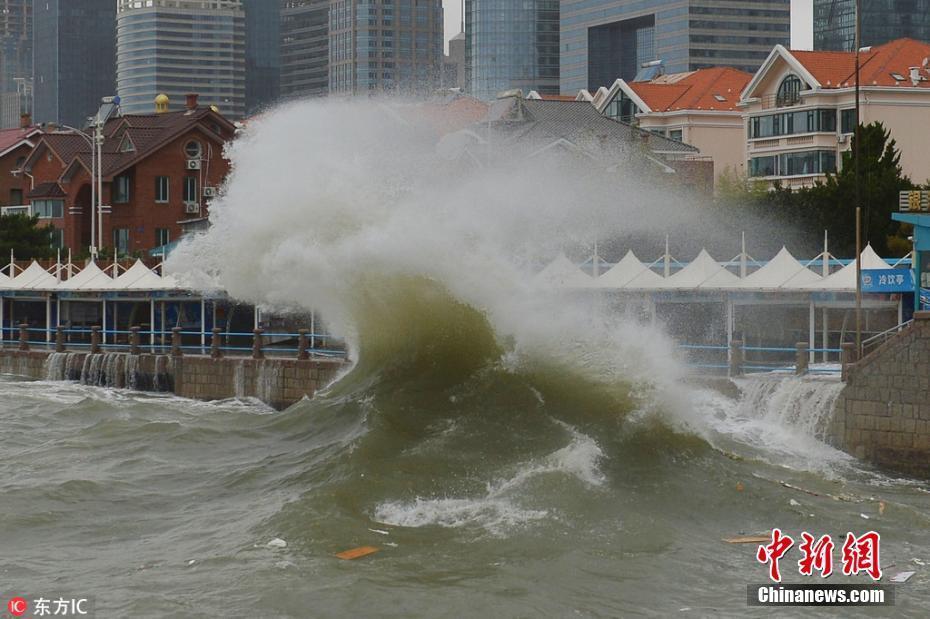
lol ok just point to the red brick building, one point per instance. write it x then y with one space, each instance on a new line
15 146
159 170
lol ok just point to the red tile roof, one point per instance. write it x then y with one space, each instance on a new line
838 69
717 88
12 137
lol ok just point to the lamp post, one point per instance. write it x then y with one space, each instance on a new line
857 139
93 186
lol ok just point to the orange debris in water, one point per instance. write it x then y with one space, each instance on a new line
356 553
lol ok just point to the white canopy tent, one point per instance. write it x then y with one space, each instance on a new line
629 273
782 272
563 273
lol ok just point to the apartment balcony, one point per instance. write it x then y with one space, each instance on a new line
21 209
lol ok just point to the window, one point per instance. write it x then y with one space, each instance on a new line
848 121
190 189
58 238
162 236
16 196
193 149
121 240
675 134
48 209
161 188
794 164
789 91
121 189
792 123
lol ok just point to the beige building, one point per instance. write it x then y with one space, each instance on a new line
699 108
798 110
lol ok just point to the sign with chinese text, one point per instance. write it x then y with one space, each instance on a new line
914 201
887 280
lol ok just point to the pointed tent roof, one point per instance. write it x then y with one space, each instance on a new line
562 272
782 271
703 272
90 278
629 273
4 280
140 277
34 278
845 278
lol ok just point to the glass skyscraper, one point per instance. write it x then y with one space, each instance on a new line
304 48
180 47
262 53
74 58
602 40
379 46
511 44
882 21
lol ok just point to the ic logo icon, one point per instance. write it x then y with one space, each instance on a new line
17 606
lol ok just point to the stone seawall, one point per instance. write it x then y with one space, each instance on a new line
882 416
277 382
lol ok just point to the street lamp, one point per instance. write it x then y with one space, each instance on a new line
93 185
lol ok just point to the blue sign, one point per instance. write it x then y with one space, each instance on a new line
887 280
924 299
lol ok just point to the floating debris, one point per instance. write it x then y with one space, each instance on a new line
747 539
379 531
357 553
277 543
793 503
902 576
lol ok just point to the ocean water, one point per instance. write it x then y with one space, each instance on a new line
511 449
504 495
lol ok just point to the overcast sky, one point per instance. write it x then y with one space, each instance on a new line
802 16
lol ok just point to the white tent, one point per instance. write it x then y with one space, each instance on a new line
4 280
629 273
702 272
140 277
782 272
562 272
845 278
90 278
34 278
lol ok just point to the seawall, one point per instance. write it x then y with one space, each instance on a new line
275 381
882 416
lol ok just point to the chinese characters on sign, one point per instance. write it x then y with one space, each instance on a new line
914 201
859 554
48 607
887 280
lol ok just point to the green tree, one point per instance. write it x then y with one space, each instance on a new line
25 237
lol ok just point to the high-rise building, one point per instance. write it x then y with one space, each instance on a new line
15 60
262 53
511 44
304 48
379 47
75 58
882 21
453 65
602 40
176 47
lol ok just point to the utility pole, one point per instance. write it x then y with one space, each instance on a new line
857 137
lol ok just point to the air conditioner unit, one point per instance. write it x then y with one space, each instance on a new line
842 139
209 192
193 164
191 208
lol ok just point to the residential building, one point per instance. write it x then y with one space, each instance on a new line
799 109
262 53
453 64
176 47
15 61
379 47
510 44
159 172
75 59
304 48
700 108
602 40
540 125
882 21
15 146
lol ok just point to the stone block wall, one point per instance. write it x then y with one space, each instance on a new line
277 382
882 416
